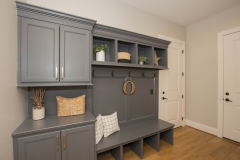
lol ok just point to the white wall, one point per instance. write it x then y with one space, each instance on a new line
117 14
13 101
201 65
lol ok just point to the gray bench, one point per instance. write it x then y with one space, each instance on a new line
133 135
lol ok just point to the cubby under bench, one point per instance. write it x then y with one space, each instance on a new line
133 135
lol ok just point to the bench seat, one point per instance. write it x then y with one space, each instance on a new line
135 132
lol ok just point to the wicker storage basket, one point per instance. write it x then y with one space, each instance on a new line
124 55
70 106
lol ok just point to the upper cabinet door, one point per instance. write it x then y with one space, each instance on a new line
78 143
39 47
74 55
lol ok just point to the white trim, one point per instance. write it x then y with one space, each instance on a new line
220 78
183 70
202 127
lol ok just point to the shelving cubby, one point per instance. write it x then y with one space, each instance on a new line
164 57
130 48
110 54
146 51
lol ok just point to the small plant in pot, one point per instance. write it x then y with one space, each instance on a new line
142 60
100 51
38 111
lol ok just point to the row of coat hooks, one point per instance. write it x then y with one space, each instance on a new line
129 74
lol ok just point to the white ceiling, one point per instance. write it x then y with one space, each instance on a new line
184 12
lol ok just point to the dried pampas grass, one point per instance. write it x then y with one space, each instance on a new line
38 95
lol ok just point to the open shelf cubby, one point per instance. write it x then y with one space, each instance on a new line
146 51
110 55
130 48
164 56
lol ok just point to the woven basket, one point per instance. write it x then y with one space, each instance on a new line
70 106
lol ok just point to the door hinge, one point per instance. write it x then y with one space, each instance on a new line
182 96
182 118
182 73
182 51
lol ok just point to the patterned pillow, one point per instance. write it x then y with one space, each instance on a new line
70 106
98 128
110 124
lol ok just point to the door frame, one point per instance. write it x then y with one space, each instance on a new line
220 78
183 77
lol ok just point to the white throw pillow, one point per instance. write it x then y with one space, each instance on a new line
110 124
98 128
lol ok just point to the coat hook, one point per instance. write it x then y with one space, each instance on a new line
155 74
93 73
113 73
143 74
129 74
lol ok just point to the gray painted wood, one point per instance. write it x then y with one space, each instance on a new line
127 65
137 147
146 51
39 147
101 30
52 123
128 47
79 143
50 102
153 141
108 96
117 153
128 134
74 55
44 14
39 51
167 136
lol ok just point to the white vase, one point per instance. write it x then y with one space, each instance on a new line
100 56
38 113
141 63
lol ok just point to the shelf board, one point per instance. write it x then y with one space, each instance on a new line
115 64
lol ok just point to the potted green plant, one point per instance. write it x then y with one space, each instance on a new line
142 60
100 51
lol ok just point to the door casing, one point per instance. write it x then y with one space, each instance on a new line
220 78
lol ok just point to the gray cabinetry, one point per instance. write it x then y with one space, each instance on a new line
56 138
74 55
40 147
39 50
78 143
41 61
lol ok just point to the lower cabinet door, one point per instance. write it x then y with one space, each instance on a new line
40 147
78 143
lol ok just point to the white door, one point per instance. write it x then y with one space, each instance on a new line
231 111
170 109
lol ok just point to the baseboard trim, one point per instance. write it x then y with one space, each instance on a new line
202 127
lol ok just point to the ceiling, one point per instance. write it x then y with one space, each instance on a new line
183 12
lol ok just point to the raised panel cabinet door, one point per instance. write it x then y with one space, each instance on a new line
39 51
74 55
40 147
78 143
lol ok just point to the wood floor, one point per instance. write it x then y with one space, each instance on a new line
189 143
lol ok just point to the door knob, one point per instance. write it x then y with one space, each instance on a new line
227 93
228 100
163 98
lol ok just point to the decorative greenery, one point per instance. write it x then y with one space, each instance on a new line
143 59
98 48
38 96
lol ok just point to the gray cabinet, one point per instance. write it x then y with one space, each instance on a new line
78 143
68 144
39 51
74 54
40 147
51 54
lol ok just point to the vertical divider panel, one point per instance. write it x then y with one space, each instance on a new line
117 153
116 50
167 136
153 141
137 147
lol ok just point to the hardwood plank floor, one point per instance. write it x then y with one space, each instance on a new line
189 144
